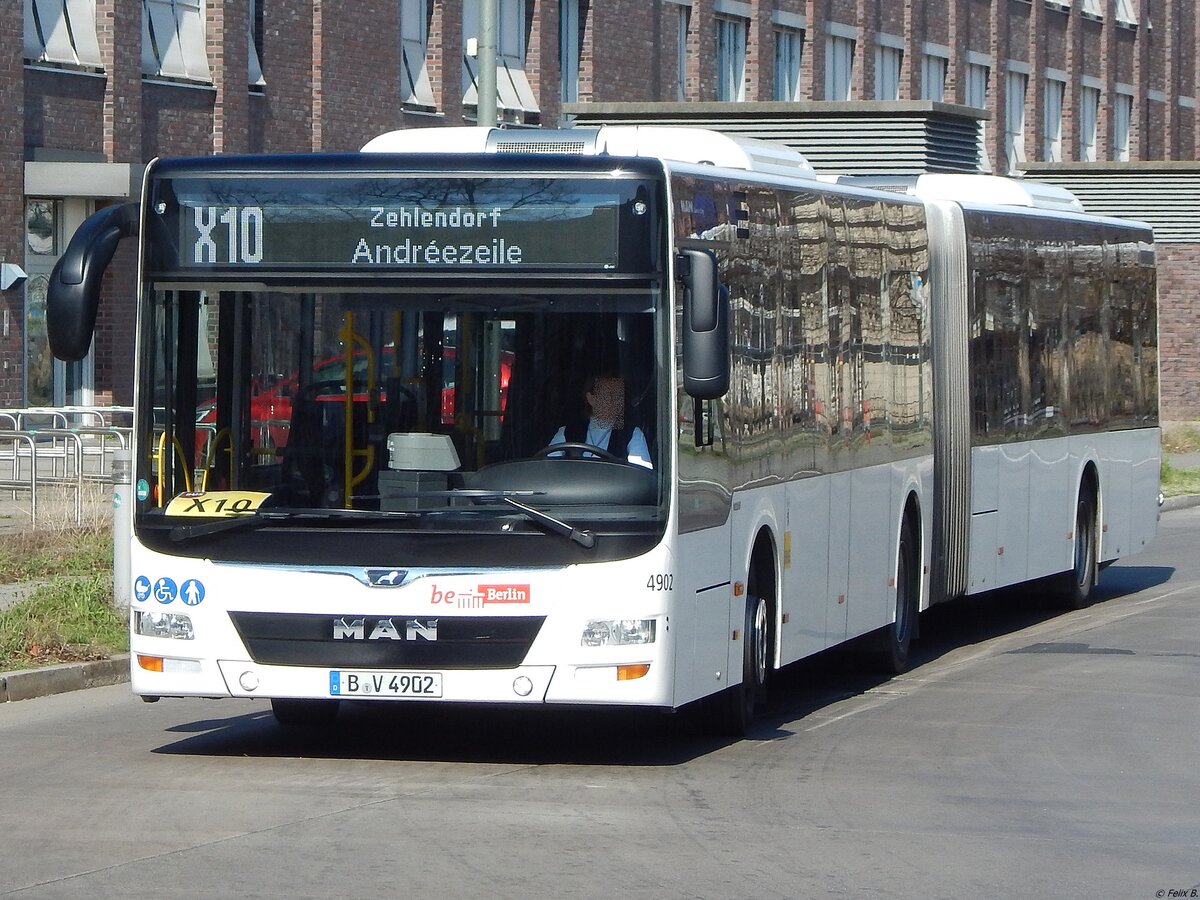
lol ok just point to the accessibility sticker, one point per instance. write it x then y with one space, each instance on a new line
165 590
192 592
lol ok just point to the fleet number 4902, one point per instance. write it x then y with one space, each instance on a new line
664 582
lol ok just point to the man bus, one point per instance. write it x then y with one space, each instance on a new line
856 403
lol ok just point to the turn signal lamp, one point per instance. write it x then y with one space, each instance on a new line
169 666
629 673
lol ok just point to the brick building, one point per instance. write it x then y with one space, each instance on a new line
92 89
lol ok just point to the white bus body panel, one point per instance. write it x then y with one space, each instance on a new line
560 667
703 584
1023 498
808 594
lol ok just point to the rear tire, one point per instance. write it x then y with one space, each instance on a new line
309 715
1073 589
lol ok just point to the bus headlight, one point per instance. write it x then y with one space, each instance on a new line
164 625
610 633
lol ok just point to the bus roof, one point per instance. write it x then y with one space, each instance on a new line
698 146
983 190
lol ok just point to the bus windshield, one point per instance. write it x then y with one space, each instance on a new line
435 411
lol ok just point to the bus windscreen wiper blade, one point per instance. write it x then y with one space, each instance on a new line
583 538
266 517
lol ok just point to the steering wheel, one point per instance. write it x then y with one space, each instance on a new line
579 448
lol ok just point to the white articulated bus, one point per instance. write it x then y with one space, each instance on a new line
851 400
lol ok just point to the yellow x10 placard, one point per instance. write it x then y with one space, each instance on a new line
212 504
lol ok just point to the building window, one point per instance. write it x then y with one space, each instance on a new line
1091 8
681 47
887 72
61 32
1122 114
933 77
839 67
1089 110
41 227
1127 13
568 49
1052 117
254 45
975 94
173 39
1014 119
731 58
515 98
975 88
415 89
43 243
788 47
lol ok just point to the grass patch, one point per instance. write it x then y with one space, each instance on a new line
65 620
1181 438
69 616
34 555
1179 481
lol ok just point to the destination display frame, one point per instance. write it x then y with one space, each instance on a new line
367 223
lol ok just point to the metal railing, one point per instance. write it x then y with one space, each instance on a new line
59 449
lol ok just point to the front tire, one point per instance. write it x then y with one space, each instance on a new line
733 709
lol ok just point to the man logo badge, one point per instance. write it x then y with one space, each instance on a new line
385 630
385 577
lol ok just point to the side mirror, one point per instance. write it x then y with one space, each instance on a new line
73 295
705 326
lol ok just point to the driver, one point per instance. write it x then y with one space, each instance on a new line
605 426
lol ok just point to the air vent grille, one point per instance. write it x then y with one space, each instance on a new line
542 147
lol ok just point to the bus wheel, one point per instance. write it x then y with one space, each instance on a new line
306 714
733 709
1074 588
889 653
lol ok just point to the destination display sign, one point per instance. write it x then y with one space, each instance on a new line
366 224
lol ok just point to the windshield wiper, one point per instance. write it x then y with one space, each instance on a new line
266 517
583 538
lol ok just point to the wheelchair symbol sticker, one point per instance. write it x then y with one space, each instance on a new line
192 592
165 590
141 588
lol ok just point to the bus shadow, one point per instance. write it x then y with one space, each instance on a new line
605 737
457 734
844 672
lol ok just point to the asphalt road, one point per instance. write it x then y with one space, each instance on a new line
1027 755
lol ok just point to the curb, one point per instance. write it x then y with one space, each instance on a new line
27 684
1183 501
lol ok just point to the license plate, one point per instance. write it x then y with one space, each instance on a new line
385 684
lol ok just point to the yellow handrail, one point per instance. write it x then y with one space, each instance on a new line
162 449
350 338
211 455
